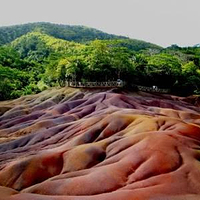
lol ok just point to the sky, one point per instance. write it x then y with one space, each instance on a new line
163 22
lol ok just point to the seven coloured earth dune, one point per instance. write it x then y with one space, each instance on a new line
75 144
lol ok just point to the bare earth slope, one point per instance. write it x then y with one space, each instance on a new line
71 144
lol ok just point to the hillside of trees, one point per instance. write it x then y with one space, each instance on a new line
36 56
66 32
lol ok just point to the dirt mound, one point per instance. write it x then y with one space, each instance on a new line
71 144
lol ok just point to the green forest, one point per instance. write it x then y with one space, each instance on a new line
36 56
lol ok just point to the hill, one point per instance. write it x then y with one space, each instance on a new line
44 60
66 32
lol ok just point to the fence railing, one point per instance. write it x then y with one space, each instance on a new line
152 89
114 84
108 84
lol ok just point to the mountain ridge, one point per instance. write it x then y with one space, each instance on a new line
45 26
76 33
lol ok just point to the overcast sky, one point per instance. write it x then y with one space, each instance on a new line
163 22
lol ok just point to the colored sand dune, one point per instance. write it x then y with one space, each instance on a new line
72 144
